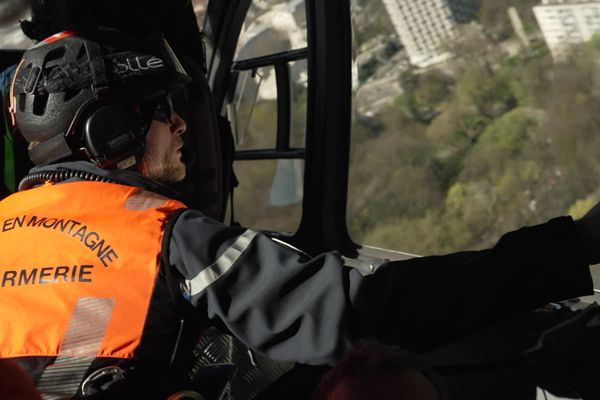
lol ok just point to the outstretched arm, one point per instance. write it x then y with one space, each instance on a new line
293 308
424 302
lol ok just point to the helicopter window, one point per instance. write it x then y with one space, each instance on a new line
11 36
252 108
272 26
269 194
267 110
492 129
200 10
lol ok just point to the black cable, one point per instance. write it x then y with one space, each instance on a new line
38 178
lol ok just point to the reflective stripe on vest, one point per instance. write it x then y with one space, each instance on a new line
78 262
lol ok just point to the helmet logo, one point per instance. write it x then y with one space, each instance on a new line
138 64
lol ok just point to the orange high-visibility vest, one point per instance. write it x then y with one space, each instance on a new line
78 263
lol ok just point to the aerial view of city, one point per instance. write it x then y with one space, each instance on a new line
470 119
491 123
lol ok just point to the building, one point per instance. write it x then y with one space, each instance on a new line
567 22
423 26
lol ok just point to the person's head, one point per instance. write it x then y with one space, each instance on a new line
105 97
162 156
372 371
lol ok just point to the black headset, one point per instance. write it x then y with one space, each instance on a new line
113 133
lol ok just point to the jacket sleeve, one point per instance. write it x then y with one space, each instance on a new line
435 300
293 308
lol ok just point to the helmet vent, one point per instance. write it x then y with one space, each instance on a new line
54 55
39 104
22 101
33 78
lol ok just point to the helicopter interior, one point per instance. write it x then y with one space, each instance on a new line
292 179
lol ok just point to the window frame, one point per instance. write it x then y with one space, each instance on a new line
329 58
281 64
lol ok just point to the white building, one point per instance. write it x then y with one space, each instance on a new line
567 22
424 25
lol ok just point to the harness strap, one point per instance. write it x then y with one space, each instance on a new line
83 337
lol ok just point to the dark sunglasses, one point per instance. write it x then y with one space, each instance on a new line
163 111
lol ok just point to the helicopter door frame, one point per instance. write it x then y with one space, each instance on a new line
329 56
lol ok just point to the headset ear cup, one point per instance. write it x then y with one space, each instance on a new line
112 132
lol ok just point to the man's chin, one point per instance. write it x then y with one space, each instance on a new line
180 176
175 176
181 171
170 175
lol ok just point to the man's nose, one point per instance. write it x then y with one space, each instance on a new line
178 125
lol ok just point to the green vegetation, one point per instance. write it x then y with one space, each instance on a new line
492 15
370 19
477 147
260 182
473 148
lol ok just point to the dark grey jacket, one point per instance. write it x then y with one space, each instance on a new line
291 307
